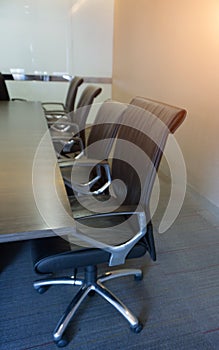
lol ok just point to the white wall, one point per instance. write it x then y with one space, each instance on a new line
169 50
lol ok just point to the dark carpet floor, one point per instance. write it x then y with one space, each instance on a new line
177 301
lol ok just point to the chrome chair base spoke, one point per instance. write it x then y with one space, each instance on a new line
120 273
70 312
90 285
59 280
113 300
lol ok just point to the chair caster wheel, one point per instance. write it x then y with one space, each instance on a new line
139 277
137 328
91 293
41 290
61 343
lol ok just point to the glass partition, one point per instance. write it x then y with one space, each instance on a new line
37 36
53 40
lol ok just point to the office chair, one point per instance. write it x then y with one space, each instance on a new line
4 95
69 104
117 227
74 123
98 146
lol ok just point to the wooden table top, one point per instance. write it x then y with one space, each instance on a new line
33 201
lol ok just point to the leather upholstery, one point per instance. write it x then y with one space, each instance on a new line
79 116
146 124
83 108
72 92
104 129
171 116
4 95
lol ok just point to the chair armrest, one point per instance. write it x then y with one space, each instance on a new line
122 210
68 145
51 104
86 162
84 188
118 252
64 125
18 99
55 112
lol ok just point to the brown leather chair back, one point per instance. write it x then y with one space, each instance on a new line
142 136
72 93
4 95
79 116
104 129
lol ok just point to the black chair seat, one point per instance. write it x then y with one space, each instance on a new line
60 255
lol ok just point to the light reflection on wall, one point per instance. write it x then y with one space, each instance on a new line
76 6
37 39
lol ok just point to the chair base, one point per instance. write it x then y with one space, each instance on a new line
89 285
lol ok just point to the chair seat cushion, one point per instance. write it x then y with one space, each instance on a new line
51 255
55 254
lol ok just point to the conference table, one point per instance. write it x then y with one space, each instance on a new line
33 200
